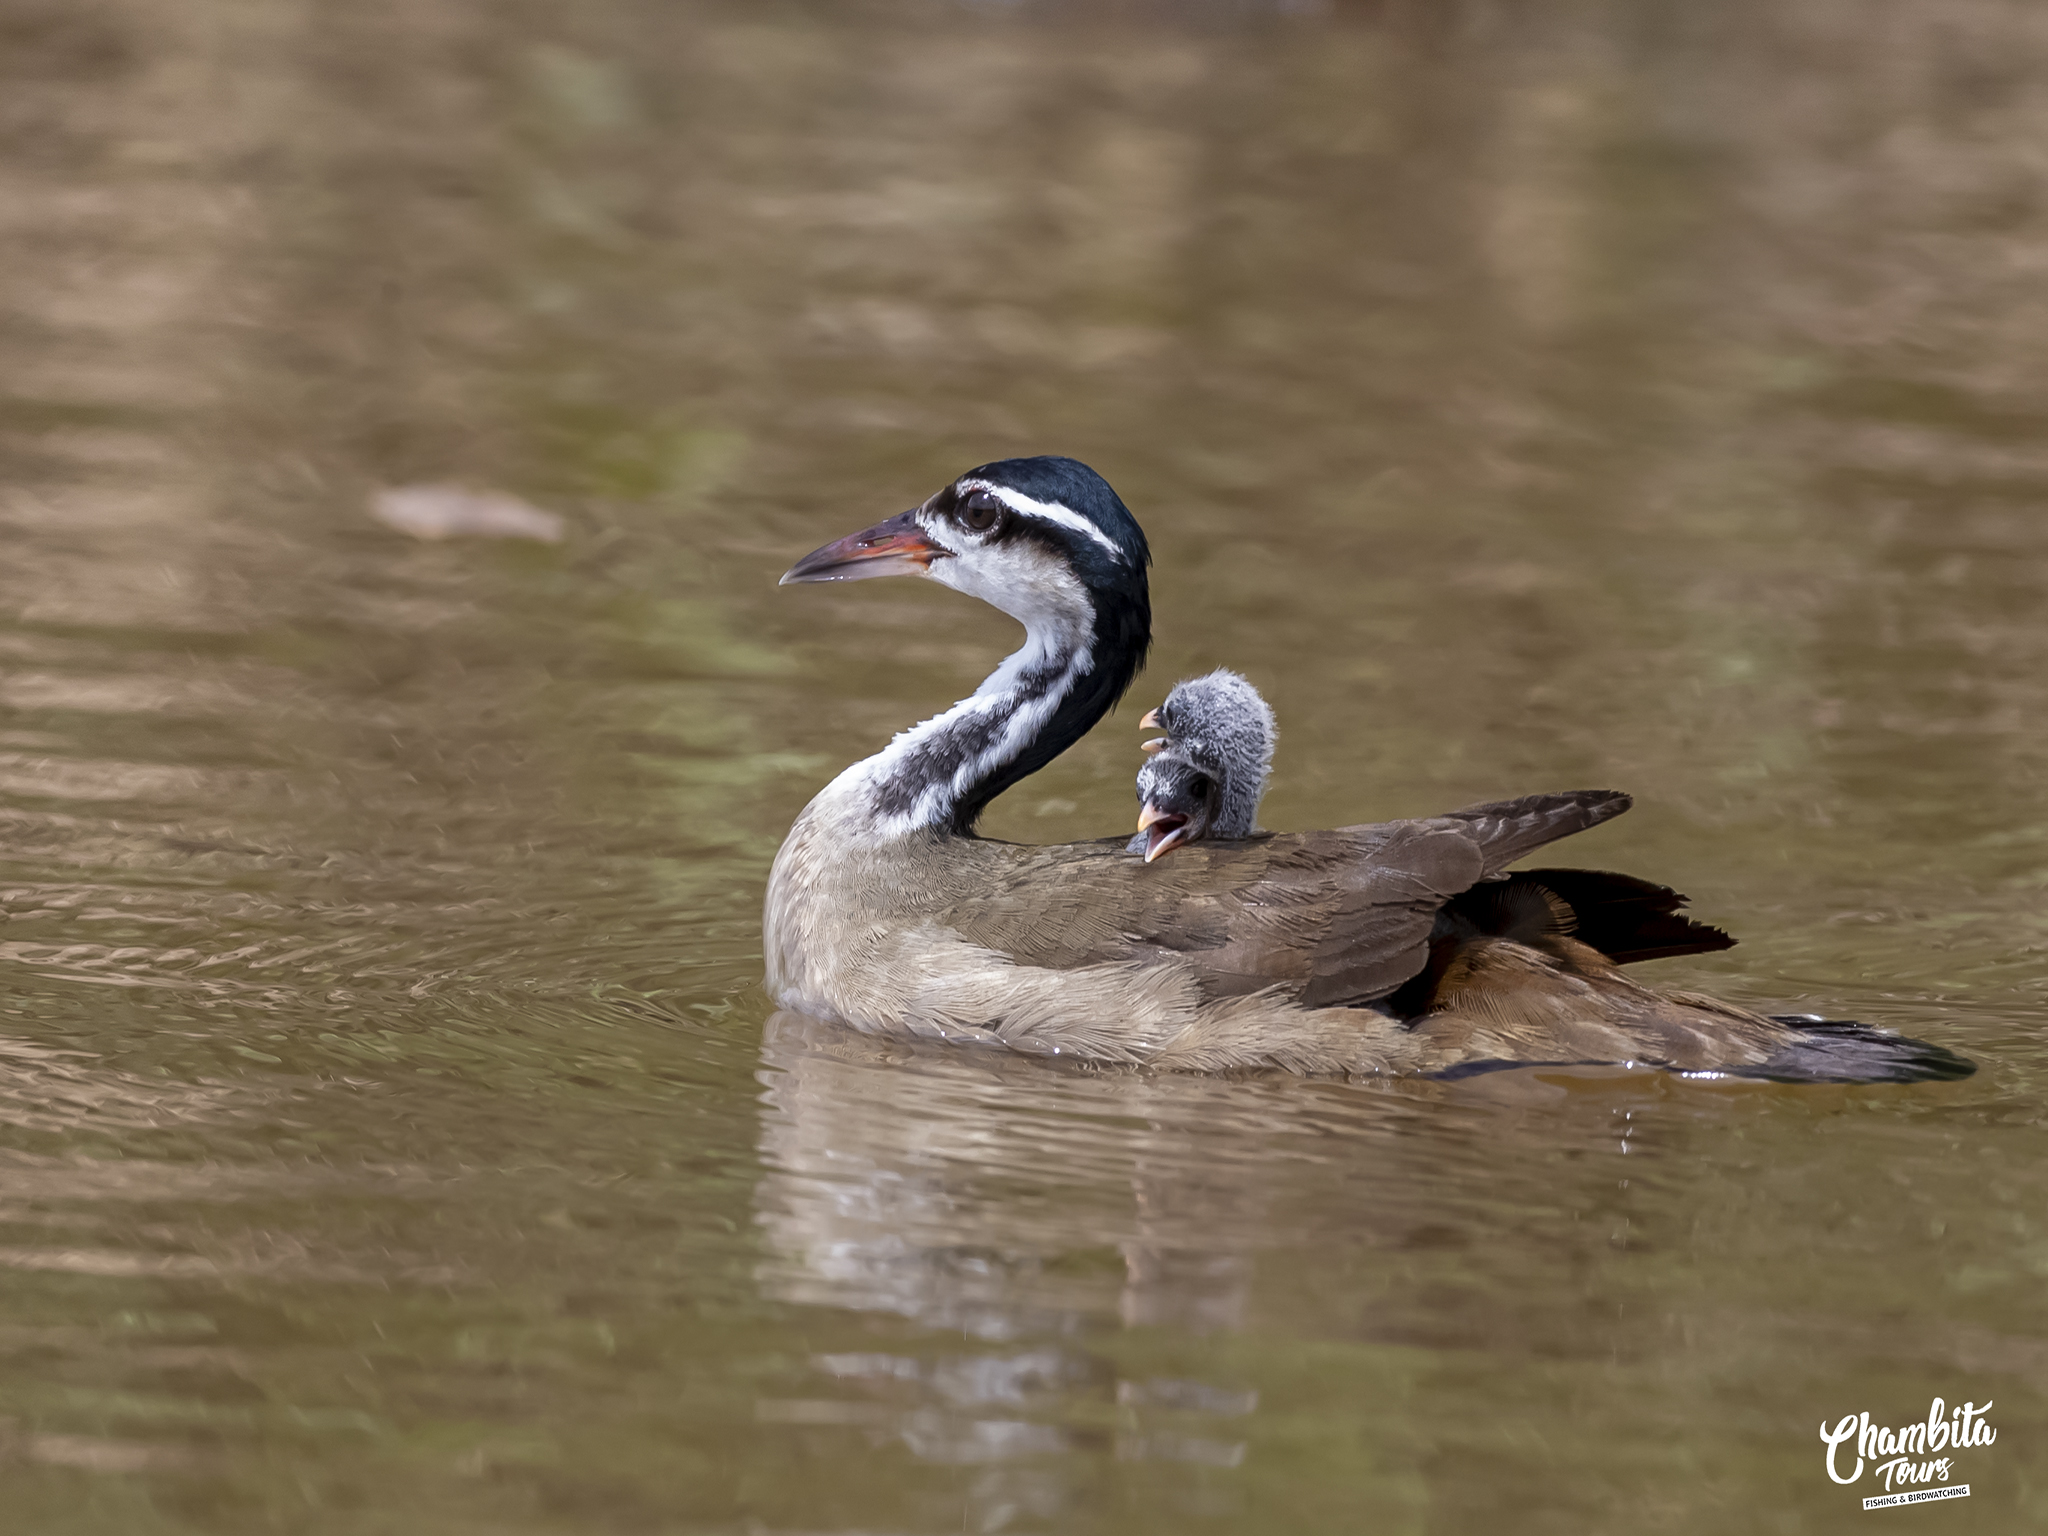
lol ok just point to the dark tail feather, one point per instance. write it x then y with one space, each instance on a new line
1839 1051
1626 919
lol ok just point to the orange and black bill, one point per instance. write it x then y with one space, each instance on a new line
898 547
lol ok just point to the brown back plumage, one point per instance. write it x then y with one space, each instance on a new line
1337 918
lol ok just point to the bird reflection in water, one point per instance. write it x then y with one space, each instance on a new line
1113 1251
913 1179
1020 1204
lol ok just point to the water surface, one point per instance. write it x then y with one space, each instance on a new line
396 1138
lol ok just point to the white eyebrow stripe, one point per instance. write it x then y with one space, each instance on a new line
1051 511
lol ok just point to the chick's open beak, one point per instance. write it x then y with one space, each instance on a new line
1156 744
898 547
1151 721
1164 830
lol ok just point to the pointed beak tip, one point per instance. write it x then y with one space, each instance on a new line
1163 843
898 547
1150 722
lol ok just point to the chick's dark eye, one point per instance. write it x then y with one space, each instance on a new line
980 512
1200 785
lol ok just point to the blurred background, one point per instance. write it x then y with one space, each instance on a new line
393 1134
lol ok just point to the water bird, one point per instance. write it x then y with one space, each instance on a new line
1208 773
1400 947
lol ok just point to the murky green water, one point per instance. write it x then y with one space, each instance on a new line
396 1138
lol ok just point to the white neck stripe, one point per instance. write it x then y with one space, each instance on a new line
1027 717
1050 511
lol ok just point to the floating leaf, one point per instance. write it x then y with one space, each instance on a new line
453 512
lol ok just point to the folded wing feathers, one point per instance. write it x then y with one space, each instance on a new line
1507 830
1343 916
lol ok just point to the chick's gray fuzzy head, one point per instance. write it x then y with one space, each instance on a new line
1178 802
1210 771
1222 723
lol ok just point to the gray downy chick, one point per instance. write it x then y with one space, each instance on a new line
1209 771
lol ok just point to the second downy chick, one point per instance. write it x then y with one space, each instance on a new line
1209 771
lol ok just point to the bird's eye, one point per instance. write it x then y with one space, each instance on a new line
980 512
1200 785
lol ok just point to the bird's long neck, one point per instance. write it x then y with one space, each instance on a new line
940 775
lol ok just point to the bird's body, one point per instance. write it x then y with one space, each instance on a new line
1270 951
1401 947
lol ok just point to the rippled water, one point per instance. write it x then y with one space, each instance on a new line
396 1136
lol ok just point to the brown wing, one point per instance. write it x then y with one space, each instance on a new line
1508 830
1343 916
